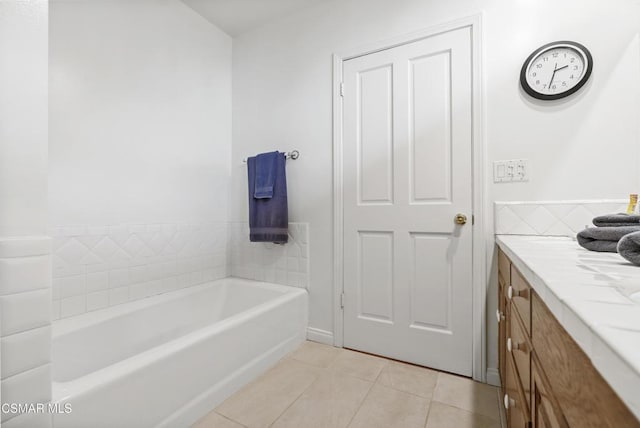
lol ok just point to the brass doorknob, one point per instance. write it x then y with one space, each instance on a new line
460 219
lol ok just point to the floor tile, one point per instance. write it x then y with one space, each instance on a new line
386 407
316 354
357 364
330 402
261 402
214 420
445 416
409 378
467 395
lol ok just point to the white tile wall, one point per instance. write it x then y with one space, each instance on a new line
99 266
25 325
286 264
551 218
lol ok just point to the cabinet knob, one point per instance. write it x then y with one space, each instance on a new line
508 401
510 292
509 345
498 315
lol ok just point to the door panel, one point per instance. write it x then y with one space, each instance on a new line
375 142
430 127
430 282
375 292
407 173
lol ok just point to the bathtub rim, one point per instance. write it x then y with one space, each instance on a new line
63 326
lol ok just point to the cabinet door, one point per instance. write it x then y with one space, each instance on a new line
520 295
545 411
504 281
502 329
519 347
514 401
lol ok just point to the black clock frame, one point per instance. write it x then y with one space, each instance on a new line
535 94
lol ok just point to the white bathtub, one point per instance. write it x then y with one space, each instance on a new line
167 360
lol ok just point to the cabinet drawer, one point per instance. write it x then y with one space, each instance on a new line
513 399
504 268
520 294
519 346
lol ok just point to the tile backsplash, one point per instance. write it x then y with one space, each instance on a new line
551 218
99 266
95 267
286 264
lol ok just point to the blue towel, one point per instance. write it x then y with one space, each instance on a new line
266 164
269 217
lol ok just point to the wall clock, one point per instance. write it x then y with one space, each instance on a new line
556 70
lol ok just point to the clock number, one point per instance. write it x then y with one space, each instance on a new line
572 60
534 74
575 67
546 58
555 54
539 65
537 82
571 77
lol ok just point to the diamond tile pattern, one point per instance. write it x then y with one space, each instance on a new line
558 218
282 264
99 266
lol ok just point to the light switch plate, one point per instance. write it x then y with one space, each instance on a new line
505 171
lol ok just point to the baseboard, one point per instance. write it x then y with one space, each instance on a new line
320 336
493 377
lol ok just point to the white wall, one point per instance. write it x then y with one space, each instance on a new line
584 147
23 118
140 113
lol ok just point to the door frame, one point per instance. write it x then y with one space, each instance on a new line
479 268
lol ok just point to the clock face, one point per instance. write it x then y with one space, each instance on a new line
556 70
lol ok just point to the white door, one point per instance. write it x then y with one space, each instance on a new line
407 173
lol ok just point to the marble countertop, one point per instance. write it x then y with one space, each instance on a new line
596 298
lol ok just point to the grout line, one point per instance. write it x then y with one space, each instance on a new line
227 418
360 405
426 420
294 401
466 410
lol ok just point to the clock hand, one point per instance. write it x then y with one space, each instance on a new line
555 68
558 69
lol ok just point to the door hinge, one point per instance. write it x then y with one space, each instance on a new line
342 89
342 300
473 219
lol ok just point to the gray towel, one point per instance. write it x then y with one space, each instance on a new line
629 247
620 219
604 239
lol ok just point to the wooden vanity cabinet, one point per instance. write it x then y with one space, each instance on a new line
501 314
548 381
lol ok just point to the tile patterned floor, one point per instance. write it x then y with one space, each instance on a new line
326 387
